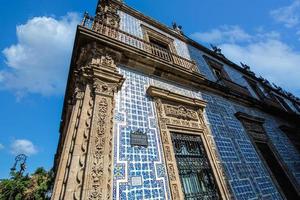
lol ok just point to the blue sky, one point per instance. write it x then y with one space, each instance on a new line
36 40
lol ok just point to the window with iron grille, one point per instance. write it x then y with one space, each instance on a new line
194 169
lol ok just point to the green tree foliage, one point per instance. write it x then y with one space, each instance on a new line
36 186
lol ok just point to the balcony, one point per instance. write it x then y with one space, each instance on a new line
133 41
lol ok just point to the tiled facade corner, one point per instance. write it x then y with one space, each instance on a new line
247 175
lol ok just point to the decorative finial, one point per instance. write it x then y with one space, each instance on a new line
177 28
246 67
217 50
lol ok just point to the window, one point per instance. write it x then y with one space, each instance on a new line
158 39
159 43
260 94
254 128
194 168
217 68
283 103
217 73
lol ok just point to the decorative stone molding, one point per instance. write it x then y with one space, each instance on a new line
99 163
178 112
254 126
149 33
105 88
86 161
94 56
107 13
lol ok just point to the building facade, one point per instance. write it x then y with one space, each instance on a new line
151 114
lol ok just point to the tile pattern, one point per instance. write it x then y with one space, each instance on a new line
132 25
247 176
135 111
245 171
203 68
279 139
238 78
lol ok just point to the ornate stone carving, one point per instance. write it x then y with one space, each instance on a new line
171 171
107 13
168 154
175 192
93 56
165 137
180 112
91 137
170 161
159 107
99 141
105 88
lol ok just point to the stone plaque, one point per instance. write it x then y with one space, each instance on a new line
138 138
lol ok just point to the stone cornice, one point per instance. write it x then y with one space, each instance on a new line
245 116
174 97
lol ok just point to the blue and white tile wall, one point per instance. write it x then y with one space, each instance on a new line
203 68
139 173
247 175
238 78
132 26
283 145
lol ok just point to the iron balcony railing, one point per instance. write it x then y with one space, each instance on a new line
126 38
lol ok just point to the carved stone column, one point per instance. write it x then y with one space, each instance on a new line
85 162
71 154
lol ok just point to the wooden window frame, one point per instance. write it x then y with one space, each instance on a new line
283 104
214 65
255 87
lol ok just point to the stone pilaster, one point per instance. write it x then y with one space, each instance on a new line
85 165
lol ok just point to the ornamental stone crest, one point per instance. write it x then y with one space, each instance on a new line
180 112
107 13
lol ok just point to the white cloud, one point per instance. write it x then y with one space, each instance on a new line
223 33
288 15
39 62
272 59
268 56
23 146
1 146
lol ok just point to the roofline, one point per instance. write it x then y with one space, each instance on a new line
153 22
